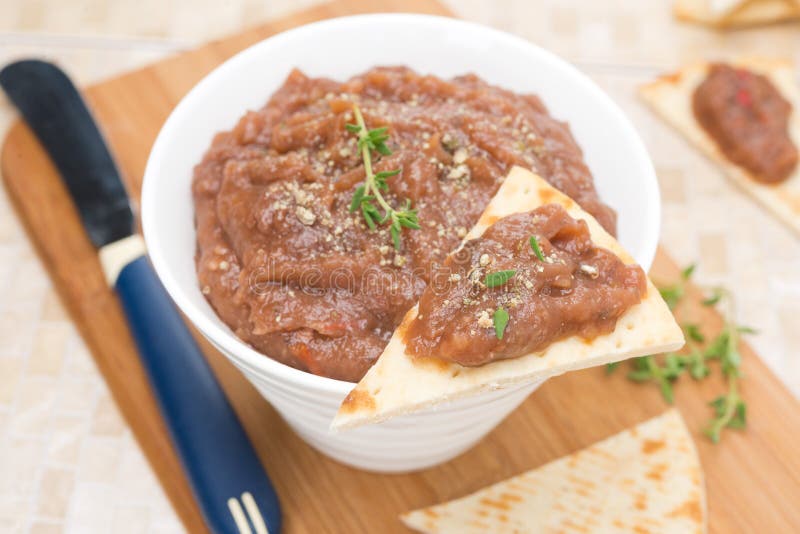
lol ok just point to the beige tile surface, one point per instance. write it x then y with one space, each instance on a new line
68 463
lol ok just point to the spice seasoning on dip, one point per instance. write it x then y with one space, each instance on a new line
305 280
506 301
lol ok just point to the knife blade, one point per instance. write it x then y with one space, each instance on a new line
227 479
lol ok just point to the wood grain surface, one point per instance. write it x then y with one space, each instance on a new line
753 477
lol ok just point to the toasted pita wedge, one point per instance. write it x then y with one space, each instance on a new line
671 97
645 479
724 7
399 383
736 13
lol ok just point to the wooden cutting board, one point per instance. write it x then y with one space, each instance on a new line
753 478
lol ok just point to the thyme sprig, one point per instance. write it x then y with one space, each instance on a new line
647 369
729 409
371 191
672 294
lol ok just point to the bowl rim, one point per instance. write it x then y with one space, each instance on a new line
222 337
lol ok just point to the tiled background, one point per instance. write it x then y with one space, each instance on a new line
68 462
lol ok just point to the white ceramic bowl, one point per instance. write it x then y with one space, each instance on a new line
339 48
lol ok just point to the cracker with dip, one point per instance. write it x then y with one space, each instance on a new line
736 13
407 379
743 116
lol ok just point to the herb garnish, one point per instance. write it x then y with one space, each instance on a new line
730 410
646 369
370 192
498 278
500 318
714 298
674 293
536 248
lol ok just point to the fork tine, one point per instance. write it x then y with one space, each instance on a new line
254 513
239 517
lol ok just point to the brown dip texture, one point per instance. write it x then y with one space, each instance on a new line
577 289
748 119
301 279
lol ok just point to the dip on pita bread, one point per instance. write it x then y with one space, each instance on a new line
401 383
736 13
671 97
530 279
748 119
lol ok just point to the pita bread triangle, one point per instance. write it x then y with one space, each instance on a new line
645 479
670 96
736 13
399 384
722 7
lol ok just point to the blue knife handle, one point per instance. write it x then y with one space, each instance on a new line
212 445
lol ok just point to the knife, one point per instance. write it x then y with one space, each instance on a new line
228 481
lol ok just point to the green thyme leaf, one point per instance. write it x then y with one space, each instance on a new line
409 221
369 215
673 366
611 367
646 368
717 347
696 363
383 149
387 174
694 333
381 184
713 432
379 135
718 405
714 298
395 231
731 360
536 248
640 376
500 319
674 293
642 363
408 217
666 391
739 419
358 196
498 278
352 128
671 295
